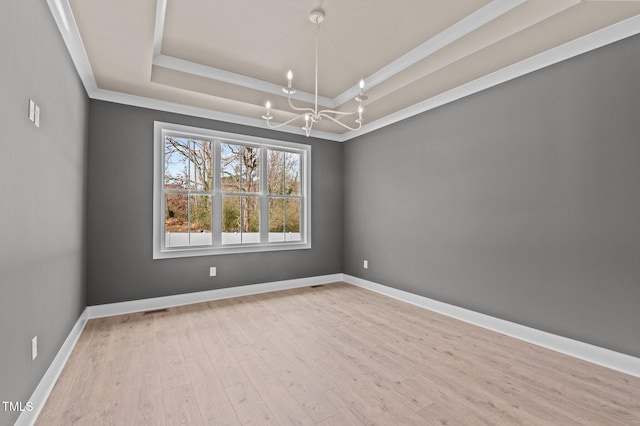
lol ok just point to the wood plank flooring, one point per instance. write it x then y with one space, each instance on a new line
331 355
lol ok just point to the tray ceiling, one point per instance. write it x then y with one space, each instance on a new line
225 59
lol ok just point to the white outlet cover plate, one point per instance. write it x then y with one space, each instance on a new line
212 271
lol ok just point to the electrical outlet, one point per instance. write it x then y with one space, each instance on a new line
36 118
34 347
366 264
212 271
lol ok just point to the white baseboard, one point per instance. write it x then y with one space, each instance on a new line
48 381
595 354
44 388
120 308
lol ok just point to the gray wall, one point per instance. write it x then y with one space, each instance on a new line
120 203
521 202
42 175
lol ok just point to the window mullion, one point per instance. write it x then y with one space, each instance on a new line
303 196
189 145
216 220
264 198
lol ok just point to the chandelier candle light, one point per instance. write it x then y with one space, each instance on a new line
313 115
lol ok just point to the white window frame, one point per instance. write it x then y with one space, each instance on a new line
161 129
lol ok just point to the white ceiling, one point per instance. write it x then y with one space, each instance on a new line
225 59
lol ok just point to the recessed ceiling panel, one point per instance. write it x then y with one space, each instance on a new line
264 39
225 59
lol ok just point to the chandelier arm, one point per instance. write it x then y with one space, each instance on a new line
314 115
341 123
276 126
295 108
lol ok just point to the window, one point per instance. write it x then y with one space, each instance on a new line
221 193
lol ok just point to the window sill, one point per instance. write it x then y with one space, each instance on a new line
225 250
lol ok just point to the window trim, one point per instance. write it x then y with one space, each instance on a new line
162 252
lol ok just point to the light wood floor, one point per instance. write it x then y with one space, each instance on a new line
331 355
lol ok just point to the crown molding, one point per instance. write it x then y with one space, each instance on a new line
63 17
224 76
458 30
158 33
595 40
463 27
189 67
66 23
152 103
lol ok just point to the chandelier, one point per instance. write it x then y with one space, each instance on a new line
314 115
